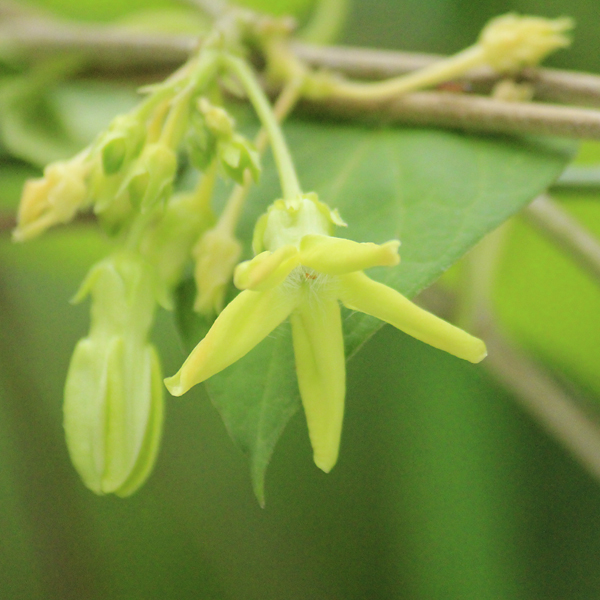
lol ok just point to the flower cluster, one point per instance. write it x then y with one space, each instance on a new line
128 177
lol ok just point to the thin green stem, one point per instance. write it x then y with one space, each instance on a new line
283 160
327 22
283 106
439 72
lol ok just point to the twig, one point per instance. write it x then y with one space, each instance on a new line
106 46
577 176
472 113
566 232
99 46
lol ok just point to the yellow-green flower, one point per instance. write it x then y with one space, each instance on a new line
303 273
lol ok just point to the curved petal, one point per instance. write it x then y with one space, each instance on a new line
338 256
266 270
358 292
321 369
244 322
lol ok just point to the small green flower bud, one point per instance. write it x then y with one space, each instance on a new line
123 141
168 243
201 144
111 203
238 154
218 120
113 407
151 180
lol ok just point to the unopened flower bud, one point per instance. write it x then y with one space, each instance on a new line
113 407
238 154
122 142
53 199
216 255
201 144
218 120
512 42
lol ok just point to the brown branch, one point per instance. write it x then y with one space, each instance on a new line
471 113
107 46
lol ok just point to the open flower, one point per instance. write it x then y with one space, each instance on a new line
304 273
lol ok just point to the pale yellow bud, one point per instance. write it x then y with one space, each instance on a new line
511 41
55 198
216 255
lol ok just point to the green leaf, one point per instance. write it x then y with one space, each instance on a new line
266 397
439 192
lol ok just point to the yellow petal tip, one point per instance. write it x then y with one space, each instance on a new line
174 385
479 353
325 463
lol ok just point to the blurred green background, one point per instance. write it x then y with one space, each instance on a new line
445 488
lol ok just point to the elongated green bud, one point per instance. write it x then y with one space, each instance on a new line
113 408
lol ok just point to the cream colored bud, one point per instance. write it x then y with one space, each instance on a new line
512 42
53 199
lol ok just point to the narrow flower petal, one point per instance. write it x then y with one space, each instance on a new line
266 270
358 292
337 256
244 322
321 369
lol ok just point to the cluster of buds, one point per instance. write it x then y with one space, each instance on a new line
113 403
213 136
